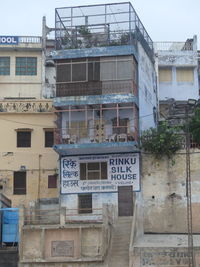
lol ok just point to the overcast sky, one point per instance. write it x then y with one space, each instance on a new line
165 20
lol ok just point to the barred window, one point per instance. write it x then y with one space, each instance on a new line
85 203
4 65
19 183
48 138
93 171
26 66
23 138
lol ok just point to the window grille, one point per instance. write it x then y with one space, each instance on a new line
85 203
19 183
4 65
26 66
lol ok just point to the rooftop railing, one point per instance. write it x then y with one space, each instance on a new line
30 39
99 25
173 46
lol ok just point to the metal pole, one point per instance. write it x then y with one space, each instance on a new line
191 256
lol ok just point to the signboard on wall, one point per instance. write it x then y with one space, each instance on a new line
122 170
9 40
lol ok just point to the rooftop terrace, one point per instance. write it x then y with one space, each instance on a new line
99 25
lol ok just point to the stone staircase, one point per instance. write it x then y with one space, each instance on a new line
119 252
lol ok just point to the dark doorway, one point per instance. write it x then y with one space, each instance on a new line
125 201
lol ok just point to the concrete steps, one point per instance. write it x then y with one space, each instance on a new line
119 252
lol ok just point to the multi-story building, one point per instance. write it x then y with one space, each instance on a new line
178 70
178 76
105 95
28 164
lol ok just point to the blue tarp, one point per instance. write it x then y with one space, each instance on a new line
10 222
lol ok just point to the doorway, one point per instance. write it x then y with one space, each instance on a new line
125 201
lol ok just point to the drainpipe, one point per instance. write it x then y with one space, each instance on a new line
39 175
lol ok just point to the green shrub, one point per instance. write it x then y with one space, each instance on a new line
162 141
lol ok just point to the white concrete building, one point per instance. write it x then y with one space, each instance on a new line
178 70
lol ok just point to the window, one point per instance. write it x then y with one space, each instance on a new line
19 183
24 138
93 171
72 71
85 203
26 66
165 75
118 68
185 75
4 65
48 135
52 181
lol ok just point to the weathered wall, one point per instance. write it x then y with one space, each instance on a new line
70 201
38 245
147 90
168 256
13 157
179 58
19 85
164 193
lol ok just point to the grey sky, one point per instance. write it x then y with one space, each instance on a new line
171 20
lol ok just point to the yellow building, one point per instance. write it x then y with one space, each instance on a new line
28 164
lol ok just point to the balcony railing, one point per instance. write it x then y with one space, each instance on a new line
96 88
30 39
94 135
26 106
173 46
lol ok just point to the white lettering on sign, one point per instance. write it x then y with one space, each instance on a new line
122 170
11 40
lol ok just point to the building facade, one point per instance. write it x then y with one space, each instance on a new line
105 95
28 169
178 70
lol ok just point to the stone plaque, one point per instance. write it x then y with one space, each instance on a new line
62 248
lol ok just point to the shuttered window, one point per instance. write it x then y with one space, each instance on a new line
185 75
165 75
49 138
23 138
19 183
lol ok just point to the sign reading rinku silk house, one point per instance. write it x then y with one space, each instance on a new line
9 40
85 174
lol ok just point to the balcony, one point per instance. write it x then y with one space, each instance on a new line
101 139
96 128
96 76
95 88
